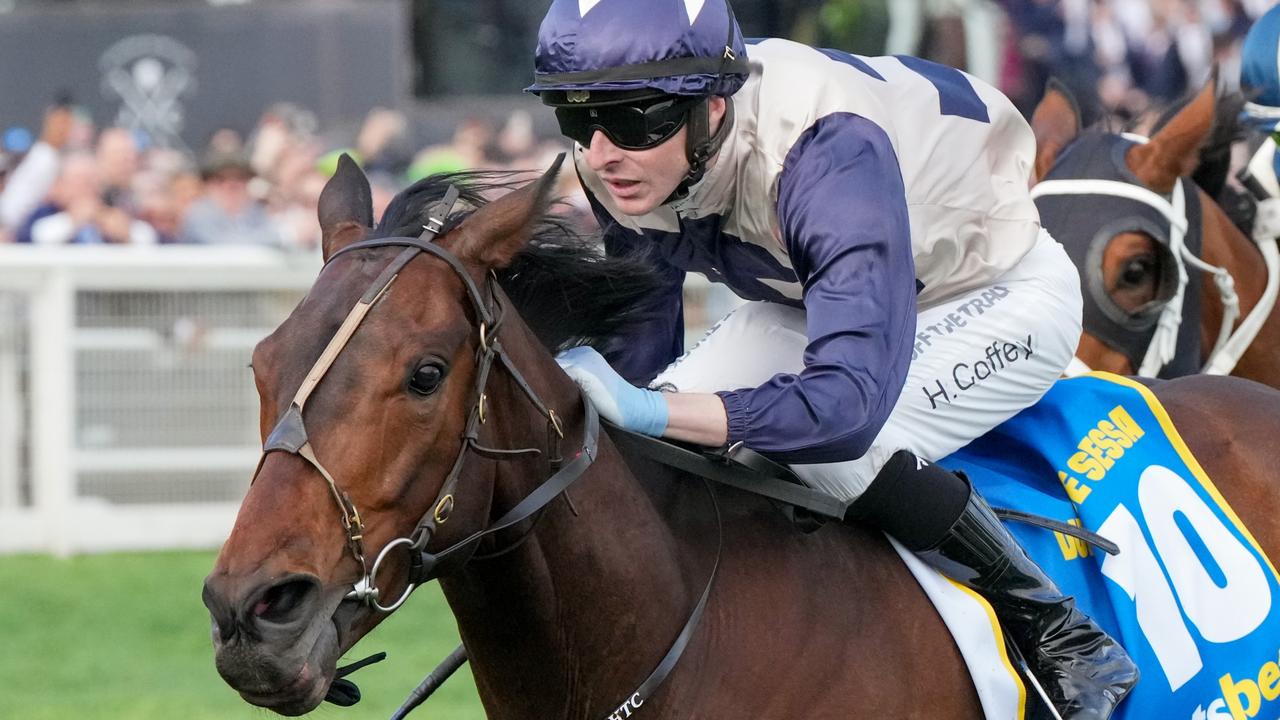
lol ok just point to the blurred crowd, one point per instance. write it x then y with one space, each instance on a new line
1125 59
1122 58
73 183
69 182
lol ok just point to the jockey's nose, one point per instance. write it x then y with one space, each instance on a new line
601 152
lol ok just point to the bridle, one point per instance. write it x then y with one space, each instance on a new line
1150 350
290 434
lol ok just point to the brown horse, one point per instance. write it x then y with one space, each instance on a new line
590 593
1128 281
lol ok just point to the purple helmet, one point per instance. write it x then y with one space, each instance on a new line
679 47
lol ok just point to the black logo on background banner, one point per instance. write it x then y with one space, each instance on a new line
150 75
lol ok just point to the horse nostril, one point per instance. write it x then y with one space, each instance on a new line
284 601
220 611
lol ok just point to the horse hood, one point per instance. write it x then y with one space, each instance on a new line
1086 223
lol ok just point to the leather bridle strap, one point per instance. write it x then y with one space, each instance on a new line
428 566
424 243
425 565
290 433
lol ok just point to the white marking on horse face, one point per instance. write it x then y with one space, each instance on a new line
694 8
585 6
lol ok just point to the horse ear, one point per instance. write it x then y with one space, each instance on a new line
492 235
1174 151
346 207
1056 122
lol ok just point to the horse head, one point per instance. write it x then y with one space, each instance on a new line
1121 228
363 420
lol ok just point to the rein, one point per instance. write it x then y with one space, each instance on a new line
290 436
633 701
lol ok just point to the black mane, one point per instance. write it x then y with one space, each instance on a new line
564 287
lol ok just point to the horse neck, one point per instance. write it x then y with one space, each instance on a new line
1225 246
569 619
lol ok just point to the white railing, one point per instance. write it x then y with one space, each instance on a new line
127 416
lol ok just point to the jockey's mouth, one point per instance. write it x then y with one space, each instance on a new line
620 182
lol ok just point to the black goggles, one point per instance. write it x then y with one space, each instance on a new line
629 126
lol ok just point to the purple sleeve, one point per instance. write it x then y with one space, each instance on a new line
647 347
843 214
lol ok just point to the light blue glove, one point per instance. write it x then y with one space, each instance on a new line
620 402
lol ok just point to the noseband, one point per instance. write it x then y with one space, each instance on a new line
290 434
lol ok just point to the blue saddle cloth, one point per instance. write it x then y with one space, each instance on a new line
1191 595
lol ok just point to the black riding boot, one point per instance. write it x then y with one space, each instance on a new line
1085 673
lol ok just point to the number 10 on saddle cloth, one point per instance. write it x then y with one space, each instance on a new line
1191 595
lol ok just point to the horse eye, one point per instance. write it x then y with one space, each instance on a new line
1136 272
426 379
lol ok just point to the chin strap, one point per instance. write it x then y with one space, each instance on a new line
343 692
701 145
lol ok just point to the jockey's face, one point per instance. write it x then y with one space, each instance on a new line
639 181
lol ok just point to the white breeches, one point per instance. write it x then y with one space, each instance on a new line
979 359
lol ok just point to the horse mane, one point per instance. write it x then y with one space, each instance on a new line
563 285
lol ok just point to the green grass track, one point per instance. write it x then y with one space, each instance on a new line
125 637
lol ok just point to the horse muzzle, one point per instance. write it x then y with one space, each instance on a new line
276 643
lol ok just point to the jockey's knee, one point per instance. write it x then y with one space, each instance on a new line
914 501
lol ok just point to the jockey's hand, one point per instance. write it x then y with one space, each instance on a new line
620 402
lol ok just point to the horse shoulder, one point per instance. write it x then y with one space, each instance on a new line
834 616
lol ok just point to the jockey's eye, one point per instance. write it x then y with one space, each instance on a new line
427 377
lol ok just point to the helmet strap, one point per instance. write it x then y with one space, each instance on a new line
701 145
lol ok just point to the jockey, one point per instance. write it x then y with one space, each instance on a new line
903 299
1260 83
